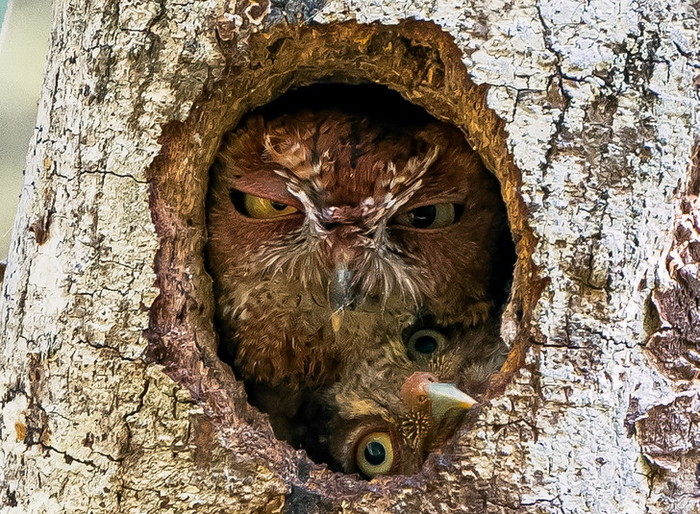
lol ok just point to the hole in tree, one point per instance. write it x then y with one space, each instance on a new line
361 259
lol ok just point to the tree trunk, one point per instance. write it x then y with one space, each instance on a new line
113 398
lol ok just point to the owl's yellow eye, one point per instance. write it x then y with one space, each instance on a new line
430 216
258 207
375 454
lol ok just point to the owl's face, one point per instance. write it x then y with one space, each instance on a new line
329 230
395 406
390 417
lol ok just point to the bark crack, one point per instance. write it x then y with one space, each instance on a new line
113 174
68 458
105 346
558 83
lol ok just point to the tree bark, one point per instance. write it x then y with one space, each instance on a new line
113 398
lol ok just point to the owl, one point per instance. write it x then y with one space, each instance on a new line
332 231
392 409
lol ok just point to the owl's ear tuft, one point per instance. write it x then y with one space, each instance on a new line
289 150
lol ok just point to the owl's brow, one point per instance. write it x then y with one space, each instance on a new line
291 153
267 185
401 185
303 190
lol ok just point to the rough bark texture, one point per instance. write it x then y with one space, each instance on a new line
113 399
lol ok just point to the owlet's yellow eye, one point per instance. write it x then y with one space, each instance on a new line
430 216
258 207
375 454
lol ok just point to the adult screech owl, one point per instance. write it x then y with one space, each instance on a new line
332 231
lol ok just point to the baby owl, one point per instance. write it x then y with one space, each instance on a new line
333 230
392 409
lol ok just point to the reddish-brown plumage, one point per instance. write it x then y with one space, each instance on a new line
344 252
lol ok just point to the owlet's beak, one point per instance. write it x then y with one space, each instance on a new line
422 386
444 397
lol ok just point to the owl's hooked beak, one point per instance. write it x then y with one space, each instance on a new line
444 397
346 243
341 295
422 386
